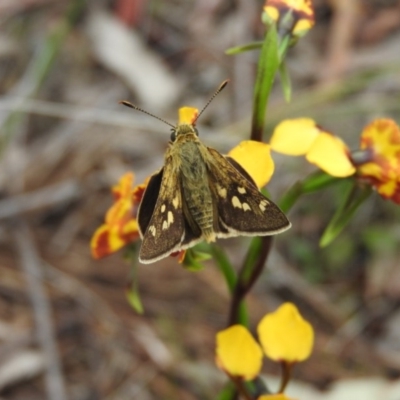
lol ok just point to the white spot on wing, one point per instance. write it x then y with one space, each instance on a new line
246 207
241 190
163 208
152 230
170 218
236 202
167 222
175 202
221 191
263 205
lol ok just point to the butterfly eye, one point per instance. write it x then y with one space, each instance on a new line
173 135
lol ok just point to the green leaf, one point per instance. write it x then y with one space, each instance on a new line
228 392
133 298
283 47
268 65
194 258
243 48
318 180
132 294
285 81
352 199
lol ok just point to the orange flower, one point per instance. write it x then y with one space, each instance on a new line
377 162
293 16
379 159
120 227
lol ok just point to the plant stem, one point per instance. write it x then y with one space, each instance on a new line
286 374
252 267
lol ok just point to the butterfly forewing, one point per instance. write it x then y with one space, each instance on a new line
149 200
165 229
242 208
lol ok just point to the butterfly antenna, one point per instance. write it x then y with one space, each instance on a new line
221 87
130 105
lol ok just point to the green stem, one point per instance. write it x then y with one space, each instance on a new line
252 267
224 266
229 274
315 181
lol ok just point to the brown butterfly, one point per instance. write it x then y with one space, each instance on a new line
198 195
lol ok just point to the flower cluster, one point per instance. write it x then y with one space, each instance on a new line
293 17
376 162
284 337
120 226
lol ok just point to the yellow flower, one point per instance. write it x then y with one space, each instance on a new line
255 158
377 162
285 335
238 353
294 137
293 16
302 136
278 396
120 227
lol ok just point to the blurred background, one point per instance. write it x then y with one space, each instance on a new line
66 328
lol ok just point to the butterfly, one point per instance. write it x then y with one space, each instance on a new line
199 194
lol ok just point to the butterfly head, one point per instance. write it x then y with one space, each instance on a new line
186 124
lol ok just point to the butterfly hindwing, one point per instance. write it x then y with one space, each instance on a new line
242 208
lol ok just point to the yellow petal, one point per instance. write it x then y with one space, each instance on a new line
278 396
272 12
285 335
119 212
124 186
331 154
187 115
383 137
294 137
381 140
387 189
105 241
238 353
301 13
255 158
302 27
138 192
130 231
